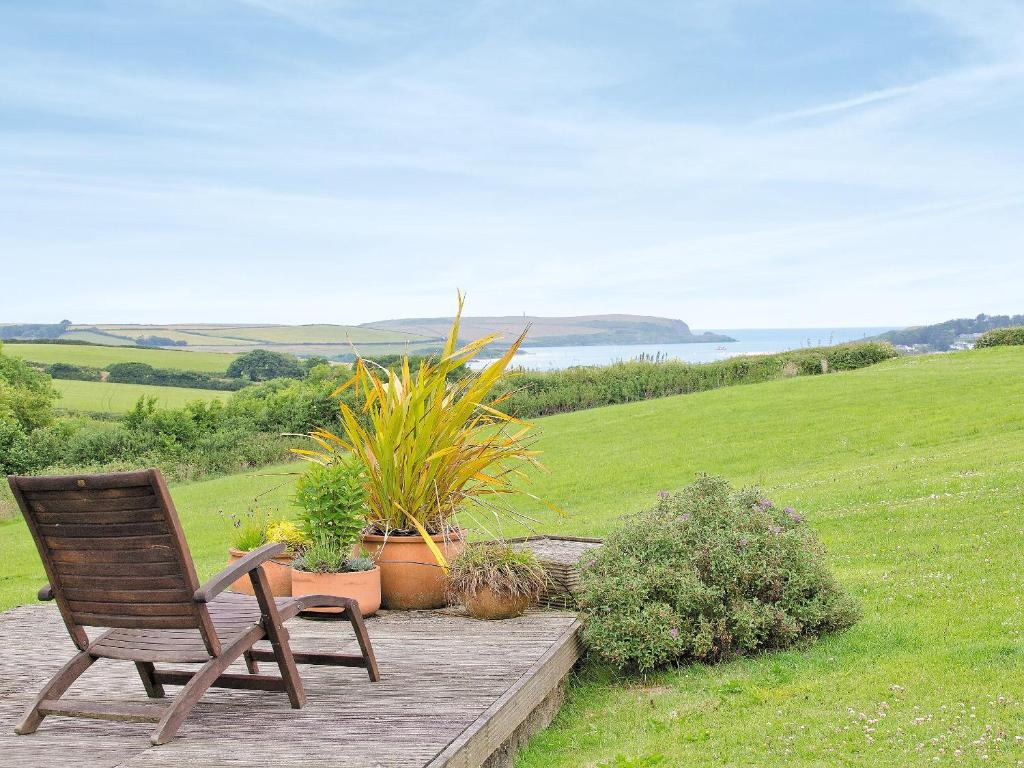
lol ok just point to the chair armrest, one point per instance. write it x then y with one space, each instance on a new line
237 570
45 592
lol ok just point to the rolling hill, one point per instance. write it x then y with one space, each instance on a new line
384 337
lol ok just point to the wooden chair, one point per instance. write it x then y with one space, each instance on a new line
115 555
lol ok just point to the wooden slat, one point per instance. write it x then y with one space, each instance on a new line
135 713
119 492
155 555
98 530
227 680
152 622
100 543
82 506
132 608
125 583
90 482
109 595
90 567
101 517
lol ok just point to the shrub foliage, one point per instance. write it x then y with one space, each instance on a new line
531 394
1002 337
707 574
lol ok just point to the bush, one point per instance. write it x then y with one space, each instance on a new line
263 365
143 373
1003 337
73 372
707 574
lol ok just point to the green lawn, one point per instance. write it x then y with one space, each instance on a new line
100 357
912 471
103 397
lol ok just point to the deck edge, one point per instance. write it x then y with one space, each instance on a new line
472 747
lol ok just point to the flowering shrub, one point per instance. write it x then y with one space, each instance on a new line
706 574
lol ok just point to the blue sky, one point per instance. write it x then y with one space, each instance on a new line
734 163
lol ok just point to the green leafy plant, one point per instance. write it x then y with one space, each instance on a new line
249 529
707 574
500 567
432 445
327 556
333 503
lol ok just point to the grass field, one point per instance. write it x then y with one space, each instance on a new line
913 474
100 357
101 397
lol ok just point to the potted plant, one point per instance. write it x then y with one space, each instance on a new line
333 502
495 581
250 531
436 445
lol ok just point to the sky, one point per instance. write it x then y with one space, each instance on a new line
732 163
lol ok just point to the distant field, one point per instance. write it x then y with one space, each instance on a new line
100 357
200 335
101 397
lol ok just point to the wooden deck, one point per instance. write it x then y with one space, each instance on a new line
453 691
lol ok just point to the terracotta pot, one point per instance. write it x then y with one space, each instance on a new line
488 604
278 570
410 578
362 586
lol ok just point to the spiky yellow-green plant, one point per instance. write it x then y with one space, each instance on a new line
433 447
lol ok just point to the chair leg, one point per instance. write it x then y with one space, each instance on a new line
251 665
194 689
359 627
148 674
278 637
54 689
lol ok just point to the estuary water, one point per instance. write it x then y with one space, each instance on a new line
749 341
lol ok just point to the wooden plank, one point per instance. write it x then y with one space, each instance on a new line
500 720
73 507
135 713
441 672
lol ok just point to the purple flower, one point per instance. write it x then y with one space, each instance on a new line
764 504
793 514
775 529
662 494
683 517
674 632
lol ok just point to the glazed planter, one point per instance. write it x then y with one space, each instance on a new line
278 570
361 586
488 604
410 578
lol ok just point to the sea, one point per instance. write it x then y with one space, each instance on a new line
749 341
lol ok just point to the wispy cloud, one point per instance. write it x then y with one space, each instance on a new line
586 164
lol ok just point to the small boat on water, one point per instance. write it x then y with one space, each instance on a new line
721 348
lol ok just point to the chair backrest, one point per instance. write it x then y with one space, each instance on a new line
114 551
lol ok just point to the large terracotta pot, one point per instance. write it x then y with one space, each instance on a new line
362 586
278 570
488 604
410 578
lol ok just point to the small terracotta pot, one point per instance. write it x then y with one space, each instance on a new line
278 570
361 586
410 578
488 604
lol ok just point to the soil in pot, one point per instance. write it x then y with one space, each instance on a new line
410 577
278 570
361 586
488 604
